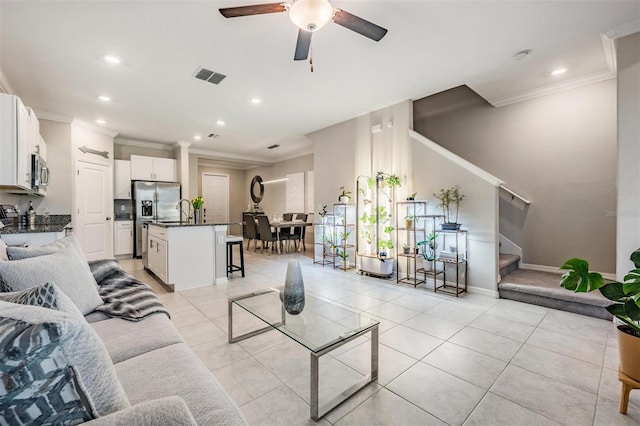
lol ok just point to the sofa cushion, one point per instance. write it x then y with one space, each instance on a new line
46 296
65 268
38 386
175 370
127 339
83 350
17 253
3 250
164 411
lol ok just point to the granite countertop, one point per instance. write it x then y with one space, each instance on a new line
184 224
53 223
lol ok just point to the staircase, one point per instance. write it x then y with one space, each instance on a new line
543 289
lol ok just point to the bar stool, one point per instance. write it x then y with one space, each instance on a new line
233 240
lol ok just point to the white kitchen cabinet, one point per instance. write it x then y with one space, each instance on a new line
123 243
154 169
16 143
122 177
157 250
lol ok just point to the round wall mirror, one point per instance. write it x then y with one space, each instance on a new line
257 189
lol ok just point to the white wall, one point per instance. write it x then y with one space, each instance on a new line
236 193
628 179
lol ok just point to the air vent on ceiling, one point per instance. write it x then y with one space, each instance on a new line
208 75
212 135
273 146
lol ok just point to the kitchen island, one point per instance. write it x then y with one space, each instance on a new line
185 256
44 231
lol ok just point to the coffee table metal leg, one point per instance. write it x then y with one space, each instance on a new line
251 333
315 410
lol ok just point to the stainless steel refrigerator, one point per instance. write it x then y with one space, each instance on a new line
153 201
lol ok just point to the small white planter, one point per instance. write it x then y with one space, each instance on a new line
344 199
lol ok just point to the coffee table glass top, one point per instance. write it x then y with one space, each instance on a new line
319 326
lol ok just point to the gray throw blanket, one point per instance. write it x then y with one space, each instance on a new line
124 296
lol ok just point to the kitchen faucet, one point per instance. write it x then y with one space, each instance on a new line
179 207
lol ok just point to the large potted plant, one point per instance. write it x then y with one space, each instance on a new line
625 307
449 201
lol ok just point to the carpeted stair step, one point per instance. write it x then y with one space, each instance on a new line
508 263
543 289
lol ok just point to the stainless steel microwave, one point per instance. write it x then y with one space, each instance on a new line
39 175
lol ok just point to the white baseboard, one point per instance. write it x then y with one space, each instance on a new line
556 270
223 280
483 291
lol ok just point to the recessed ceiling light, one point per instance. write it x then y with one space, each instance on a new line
104 98
558 71
197 137
101 121
112 59
255 101
220 122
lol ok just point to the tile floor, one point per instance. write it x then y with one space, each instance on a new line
469 361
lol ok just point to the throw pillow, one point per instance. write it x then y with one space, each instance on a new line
46 296
84 352
38 384
17 253
3 251
65 268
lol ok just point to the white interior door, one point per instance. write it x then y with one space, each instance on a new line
215 190
93 211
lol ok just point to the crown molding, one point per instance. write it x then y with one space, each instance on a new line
609 51
624 29
297 154
181 144
143 144
552 88
223 156
43 115
5 86
92 127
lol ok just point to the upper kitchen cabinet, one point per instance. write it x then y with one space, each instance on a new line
154 169
18 136
122 184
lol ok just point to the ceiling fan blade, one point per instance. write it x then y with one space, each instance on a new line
359 25
303 45
256 9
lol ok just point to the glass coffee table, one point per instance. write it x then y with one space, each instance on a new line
330 327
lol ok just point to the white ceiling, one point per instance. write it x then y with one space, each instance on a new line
51 54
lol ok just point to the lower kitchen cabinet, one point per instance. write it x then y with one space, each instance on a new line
123 244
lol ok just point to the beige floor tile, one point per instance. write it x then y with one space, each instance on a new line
474 367
185 317
386 408
498 347
246 380
568 345
417 302
520 312
607 414
503 327
391 363
361 302
496 411
557 401
279 407
409 341
219 353
610 388
395 313
577 326
562 368
434 326
458 311
201 332
386 294
353 402
440 394
335 293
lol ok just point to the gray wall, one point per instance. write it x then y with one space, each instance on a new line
236 193
558 150
628 210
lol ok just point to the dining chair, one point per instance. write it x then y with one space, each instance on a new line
299 231
285 233
251 229
266 235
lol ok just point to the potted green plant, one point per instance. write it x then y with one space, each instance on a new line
449 200
625 307
428 248
197 203
345 196
411 197
344 263
408 221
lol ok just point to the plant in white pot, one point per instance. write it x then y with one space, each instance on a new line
345 196
429 247
625 307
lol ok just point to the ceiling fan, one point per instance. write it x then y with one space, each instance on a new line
309 16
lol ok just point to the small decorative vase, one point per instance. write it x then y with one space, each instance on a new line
293 294
197 216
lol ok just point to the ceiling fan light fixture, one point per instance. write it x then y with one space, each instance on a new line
311 15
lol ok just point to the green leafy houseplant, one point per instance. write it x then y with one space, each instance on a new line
429 247
449 199
344 193
624 295
197 202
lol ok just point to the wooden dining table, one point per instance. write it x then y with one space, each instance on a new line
279 224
